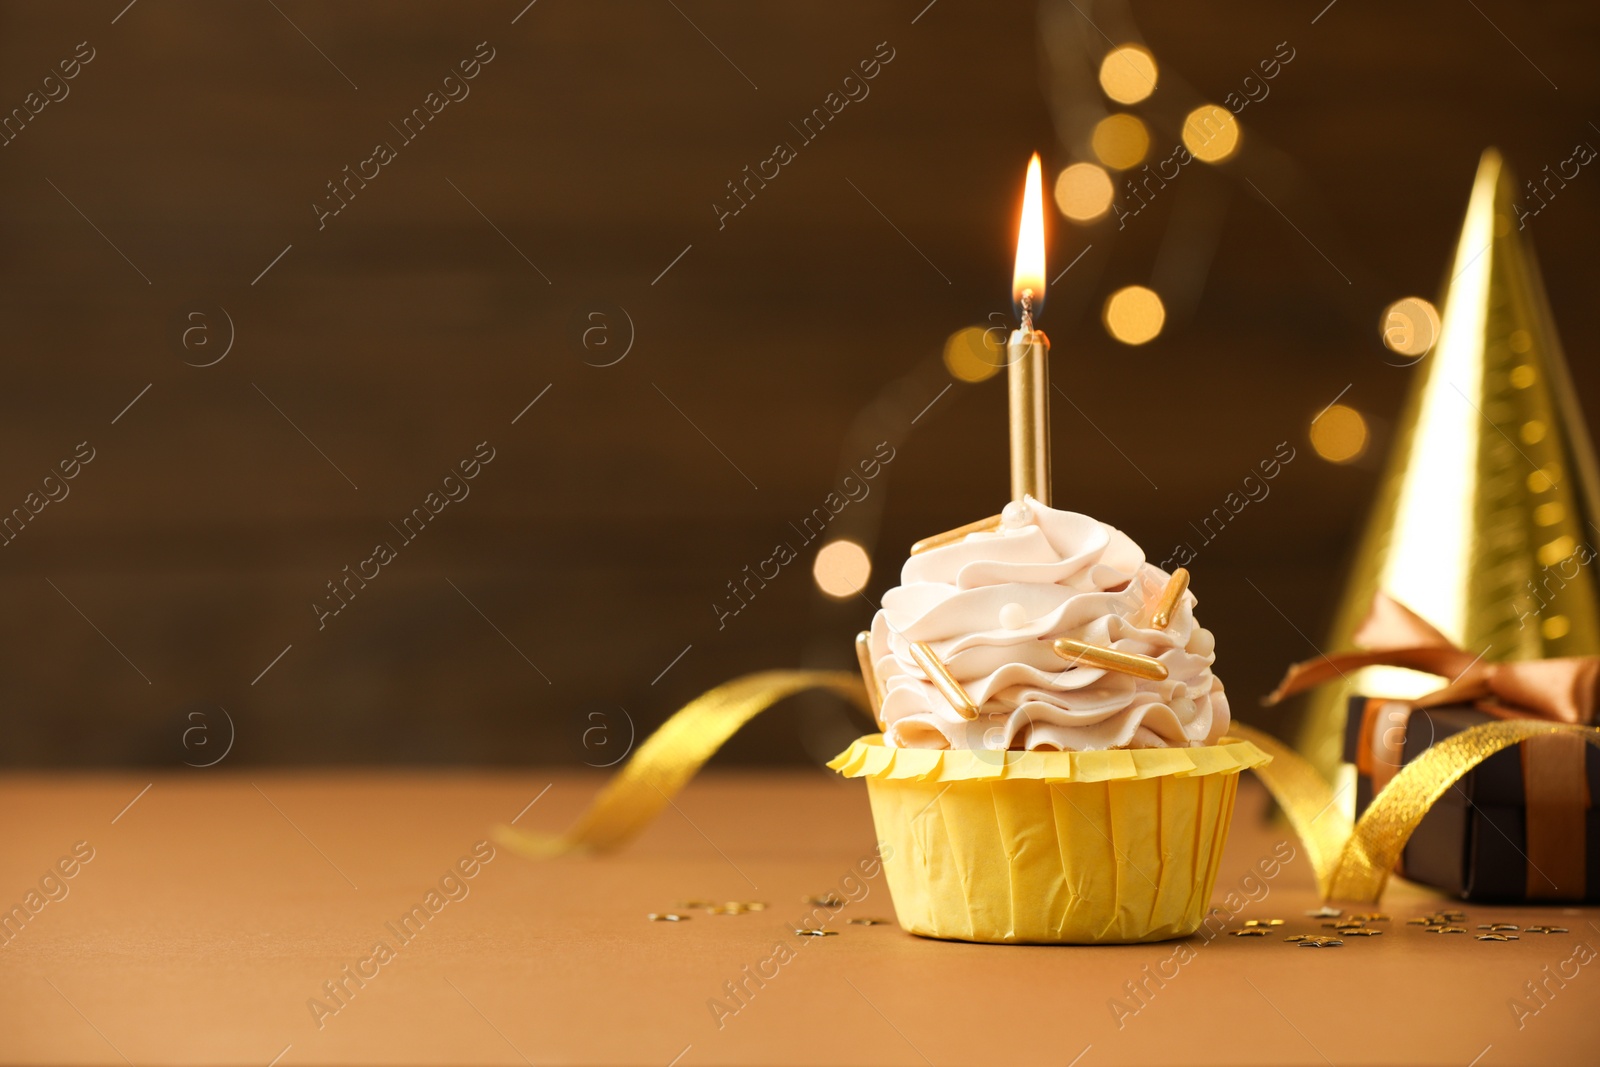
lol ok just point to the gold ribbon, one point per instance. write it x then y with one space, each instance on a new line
672 755
1355 865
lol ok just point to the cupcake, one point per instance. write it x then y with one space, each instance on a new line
1053 766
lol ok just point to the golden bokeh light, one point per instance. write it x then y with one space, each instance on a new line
1211 133
1552 552
1128 73
841 569
1410 326
973 354
1134 315
1522 376
1083 192
1555 627
1339 434
1549 514
1120 141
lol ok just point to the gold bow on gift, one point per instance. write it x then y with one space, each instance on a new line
1543 702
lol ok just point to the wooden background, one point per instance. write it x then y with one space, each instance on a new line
774 353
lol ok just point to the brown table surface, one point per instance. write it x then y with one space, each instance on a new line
217 905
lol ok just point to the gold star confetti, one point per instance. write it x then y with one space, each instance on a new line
1263 922
1497 937
869 922
1447 930
1361 931
668 917
808 932
1545 930
1320 942
1498 928
1250 931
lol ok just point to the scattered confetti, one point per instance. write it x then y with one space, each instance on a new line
808 932
1251 931
668 917
869 922
1497 937
1325 912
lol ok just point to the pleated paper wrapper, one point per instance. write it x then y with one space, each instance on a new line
1051 847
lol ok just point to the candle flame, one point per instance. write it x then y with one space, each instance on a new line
1028 277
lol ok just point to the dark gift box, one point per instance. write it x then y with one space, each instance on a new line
1520 827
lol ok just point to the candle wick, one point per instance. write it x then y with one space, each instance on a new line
1027 311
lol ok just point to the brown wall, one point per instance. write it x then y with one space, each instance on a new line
410 328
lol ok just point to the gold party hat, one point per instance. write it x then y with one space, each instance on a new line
1486 519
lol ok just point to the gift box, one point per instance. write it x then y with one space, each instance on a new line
1519 827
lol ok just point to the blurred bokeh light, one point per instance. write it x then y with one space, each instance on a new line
1120 141
1339 435
1134 315
1128 73
1211 133
1083 192
841 569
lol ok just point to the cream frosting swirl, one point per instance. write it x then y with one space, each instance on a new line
989 605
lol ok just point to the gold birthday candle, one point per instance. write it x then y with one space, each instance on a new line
950 537
1028 354
943 680
1169 599
1082 654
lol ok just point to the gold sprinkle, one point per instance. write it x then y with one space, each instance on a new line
668 917
869 675
944 681
1169 599
808 932
1109 659
869 922
950 537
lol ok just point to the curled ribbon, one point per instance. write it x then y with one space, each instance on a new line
672 755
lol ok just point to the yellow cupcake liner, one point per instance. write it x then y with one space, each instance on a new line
1051 847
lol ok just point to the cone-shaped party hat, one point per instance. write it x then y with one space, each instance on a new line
1488 517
